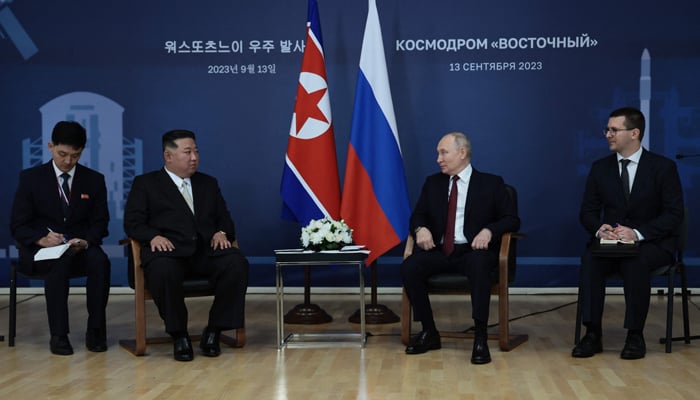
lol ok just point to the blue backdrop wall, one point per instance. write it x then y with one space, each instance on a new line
531 83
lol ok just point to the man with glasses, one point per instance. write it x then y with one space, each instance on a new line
633 195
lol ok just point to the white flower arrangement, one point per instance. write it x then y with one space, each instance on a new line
326 234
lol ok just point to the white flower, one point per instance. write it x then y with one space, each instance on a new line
325 234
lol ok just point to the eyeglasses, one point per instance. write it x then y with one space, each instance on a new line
614 131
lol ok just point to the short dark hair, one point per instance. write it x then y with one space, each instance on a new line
69 133
634 119
170 137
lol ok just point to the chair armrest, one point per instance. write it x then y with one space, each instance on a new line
506 255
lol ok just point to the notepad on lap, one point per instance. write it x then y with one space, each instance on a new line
616 241
51 253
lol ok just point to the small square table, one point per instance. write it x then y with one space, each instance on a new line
318 259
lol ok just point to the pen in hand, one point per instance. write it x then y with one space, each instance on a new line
63 239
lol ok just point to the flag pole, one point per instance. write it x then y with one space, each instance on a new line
307 313
375 313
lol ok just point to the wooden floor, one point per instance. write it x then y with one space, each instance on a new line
542 368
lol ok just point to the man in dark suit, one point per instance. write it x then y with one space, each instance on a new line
467 243
64 202
632 195
181 219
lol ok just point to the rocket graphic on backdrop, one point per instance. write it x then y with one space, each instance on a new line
12 29
645 95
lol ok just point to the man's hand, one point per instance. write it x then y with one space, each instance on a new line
51 239
77 244
220 241
424 239
625 233
606 232
482 239
160 243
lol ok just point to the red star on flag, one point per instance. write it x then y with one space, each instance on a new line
307 104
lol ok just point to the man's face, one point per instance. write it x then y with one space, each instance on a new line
184 160
64 156
451 159
620 139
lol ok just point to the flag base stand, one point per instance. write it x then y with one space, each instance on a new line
307 313
375 313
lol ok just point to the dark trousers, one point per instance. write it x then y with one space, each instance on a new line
227 274
92 263
635 272
480 266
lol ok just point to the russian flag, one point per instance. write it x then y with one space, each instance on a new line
310 186
375 200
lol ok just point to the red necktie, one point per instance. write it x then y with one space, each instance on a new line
448 243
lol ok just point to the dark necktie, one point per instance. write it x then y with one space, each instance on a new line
66 192
625 176
448 243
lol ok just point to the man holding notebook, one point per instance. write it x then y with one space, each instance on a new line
64 203
631 196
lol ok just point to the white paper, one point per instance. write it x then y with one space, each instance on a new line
353 247
293 251
51 253
344 251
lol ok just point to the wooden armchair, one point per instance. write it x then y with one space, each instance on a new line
193 288
451 283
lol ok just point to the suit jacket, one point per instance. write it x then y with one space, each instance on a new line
155 206
655 206
488 206
37 207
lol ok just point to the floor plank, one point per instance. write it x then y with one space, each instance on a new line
542 368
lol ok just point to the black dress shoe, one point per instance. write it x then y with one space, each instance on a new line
182 349
210 343
589 345
480 352
424 341
60 345
635 348
96 340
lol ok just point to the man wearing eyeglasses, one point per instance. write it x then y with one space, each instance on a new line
633 195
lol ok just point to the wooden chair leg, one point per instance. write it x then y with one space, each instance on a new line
506 341
237 340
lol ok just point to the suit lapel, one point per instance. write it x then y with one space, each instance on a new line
643 170
444 183
196 189
473 184
50 184
614 176
172 191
